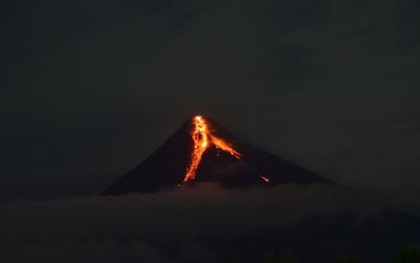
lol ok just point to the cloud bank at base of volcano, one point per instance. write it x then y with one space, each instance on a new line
173 226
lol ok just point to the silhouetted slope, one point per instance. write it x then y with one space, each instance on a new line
318 239
167 166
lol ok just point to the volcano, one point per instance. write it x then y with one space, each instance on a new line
201 150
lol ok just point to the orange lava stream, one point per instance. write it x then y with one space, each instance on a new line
225 147
265 179
202 140
201 144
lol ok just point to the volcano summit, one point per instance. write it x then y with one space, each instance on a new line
202 150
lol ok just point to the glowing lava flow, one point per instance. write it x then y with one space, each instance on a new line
225 147
265 179
202 140
201 144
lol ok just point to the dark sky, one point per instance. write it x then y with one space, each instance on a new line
91 88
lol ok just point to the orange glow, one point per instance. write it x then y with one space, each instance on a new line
199 136
265 179
220 144
202 140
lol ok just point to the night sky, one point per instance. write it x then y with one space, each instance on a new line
91 88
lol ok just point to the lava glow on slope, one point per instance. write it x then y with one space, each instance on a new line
265 179
202 140
201 143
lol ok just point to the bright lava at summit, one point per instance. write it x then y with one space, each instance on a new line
202 140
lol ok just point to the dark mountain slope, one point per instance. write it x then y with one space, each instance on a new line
167 166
